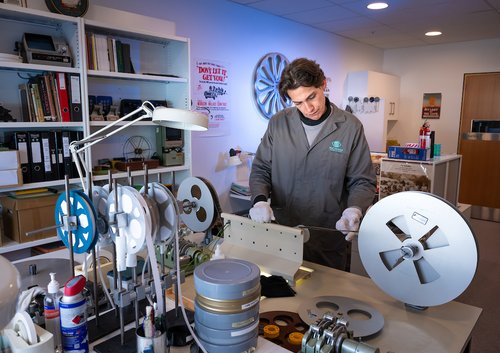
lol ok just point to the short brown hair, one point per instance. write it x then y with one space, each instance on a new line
301 72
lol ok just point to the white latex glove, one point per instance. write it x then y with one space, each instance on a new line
262 212
348 224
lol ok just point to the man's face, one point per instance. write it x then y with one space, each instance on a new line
309 100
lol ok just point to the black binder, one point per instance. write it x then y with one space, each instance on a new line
60 154
35 157
19 141
75 97
50 155
75 136
66 155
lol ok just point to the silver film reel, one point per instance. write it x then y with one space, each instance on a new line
100 201
168 211
418 248
198 208
364 320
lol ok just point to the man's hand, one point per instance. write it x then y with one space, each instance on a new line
348 224
262 212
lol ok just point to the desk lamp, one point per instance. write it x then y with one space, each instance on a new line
168 117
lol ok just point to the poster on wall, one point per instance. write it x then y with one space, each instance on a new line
211 95
431 108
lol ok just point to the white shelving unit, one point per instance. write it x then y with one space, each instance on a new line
162 72
378 118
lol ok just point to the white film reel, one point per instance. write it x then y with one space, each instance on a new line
138 224
418 248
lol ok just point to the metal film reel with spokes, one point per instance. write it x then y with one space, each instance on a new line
137 147
418 248
84 231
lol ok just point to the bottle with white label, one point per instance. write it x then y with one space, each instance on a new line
51 311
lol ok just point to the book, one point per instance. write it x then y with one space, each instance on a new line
37 104
44 97
49 95
127 67
111 54
119 55
101 44
26 106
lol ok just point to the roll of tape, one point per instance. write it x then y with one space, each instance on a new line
25 328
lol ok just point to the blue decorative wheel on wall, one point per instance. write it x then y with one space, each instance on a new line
266 79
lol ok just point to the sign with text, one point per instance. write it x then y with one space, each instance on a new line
431 108
211 95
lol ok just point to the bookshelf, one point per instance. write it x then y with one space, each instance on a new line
161 72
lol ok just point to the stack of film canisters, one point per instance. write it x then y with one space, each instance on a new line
227 305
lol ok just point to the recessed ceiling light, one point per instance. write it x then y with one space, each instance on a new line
377 5
433 33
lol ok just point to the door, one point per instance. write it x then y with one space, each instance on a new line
480 172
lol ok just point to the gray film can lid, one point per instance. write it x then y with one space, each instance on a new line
226 279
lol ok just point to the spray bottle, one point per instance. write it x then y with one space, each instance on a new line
73 311
51 311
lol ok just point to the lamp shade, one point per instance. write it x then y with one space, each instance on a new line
180 119
10 285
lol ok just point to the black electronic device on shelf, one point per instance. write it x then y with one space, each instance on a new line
46 50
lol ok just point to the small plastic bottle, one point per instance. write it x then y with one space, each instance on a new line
51 311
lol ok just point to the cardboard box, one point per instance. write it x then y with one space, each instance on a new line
410 153
24 215
9 160
11 178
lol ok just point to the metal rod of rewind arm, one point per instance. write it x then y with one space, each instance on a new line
78 147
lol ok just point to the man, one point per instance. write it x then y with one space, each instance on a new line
314 164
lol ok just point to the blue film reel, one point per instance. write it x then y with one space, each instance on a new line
85 234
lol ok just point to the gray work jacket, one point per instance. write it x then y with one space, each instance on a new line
312 186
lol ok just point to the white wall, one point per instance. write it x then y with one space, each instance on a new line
227 32
437 68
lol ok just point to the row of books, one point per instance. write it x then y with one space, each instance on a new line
45 155
53 96
106 53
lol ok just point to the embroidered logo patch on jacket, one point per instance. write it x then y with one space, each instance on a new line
336 147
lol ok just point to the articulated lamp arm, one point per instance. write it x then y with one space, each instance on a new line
77 148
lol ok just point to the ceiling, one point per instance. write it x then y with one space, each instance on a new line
401 25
